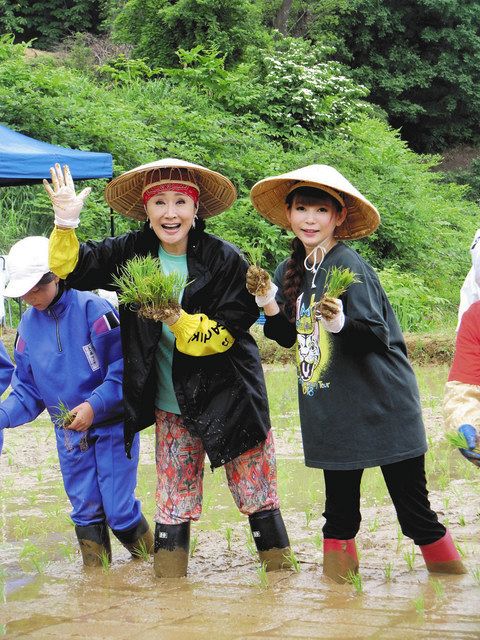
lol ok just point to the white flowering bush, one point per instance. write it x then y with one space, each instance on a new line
302 88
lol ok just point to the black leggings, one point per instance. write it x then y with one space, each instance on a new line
407 486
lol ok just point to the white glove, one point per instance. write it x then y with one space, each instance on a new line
335 324
268 297
66 204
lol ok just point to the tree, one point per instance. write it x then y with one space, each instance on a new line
421 60
49 21
157 28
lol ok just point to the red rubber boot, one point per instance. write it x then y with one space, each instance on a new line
442 556
339 559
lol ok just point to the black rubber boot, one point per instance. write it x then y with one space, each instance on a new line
172 543
94 543
271 539
138 540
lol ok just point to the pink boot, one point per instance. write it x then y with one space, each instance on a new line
441 556
339 558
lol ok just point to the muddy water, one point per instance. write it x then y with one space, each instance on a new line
46 593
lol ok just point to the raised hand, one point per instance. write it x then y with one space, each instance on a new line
67 205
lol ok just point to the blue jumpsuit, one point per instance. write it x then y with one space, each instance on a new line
6 370
72 353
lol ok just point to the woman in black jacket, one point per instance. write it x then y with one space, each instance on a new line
197 373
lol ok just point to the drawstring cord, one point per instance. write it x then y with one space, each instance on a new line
315 266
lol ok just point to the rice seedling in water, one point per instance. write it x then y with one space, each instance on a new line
309 514
228 537
67 550
250 544
438 588
318 541
262 575
193 545
292 561
141 551
461 550
409 557
355 579
143 285
476 575
387 571
373 526
419 604
461 521
35 556
338 280
105 561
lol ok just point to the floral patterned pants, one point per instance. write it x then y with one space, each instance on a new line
180 457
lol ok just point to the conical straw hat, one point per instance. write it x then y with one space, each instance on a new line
124 193
268 198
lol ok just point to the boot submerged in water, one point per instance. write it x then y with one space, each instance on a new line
94 543
138 540
340 559
442 556
172 543
271 539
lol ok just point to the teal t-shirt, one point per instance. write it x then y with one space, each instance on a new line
165 397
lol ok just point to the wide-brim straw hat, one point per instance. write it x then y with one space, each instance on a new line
268 197
124 193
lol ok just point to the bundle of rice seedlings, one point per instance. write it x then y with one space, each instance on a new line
64 418
143 286
338 280
255 255
456 440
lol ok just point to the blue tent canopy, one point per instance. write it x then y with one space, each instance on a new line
24 160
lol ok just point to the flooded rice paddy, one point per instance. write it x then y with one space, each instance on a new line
45 593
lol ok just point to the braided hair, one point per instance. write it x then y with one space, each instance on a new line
295 271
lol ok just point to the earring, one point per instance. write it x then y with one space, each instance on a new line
194 221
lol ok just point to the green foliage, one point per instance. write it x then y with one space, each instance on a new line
158 28
205 68
338 280
123 70
48 21
416 306
421 60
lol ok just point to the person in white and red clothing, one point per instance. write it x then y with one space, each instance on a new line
461 403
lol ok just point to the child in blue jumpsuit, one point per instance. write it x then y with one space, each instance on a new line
68 351
6 370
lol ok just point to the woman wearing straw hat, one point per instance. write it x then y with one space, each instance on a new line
197 373
358 397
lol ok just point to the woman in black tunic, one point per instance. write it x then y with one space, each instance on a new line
358 397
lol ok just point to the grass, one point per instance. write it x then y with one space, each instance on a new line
105 561
419 604
142 551
142 285
338 280
263 576
254 255
387 571
292 560
409 557
228 537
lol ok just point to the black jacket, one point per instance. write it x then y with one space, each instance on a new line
222 397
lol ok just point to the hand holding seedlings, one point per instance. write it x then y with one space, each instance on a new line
328 308
258 281
83 417
468 442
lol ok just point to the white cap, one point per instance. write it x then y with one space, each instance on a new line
26 263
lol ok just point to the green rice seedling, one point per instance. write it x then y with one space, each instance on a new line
67 550
387 571
228 537
318 541
409 557
39 475
105 561
64 418
419 604
193 545
373 525
456 440
438 588
250 544
355 579
262 575
21 528
476 575
446 502
338 280
141 551
142 285
309 514
461 521
34 555
461 550
255 255
292 561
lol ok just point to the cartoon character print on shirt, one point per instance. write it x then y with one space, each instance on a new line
313 347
